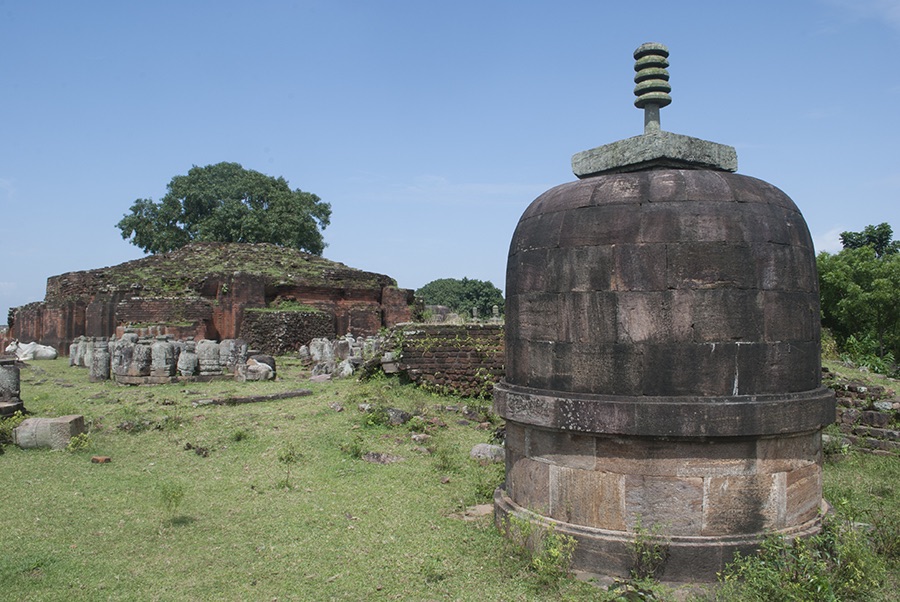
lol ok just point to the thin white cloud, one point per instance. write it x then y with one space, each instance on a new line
887 11
830 241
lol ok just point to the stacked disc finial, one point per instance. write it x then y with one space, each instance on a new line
651 77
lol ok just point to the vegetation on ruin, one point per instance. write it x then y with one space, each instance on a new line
463 295
277 500
860 295
285 306
227 203
198 267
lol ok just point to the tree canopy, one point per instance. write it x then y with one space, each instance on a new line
878 237
227 203
462 295
860 292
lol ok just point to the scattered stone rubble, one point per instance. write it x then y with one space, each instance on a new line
868 416
345 356
136 360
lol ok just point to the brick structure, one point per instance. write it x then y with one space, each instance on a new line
465 359
280 332
662 356
203 290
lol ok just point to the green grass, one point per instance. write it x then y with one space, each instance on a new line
162 522
280 503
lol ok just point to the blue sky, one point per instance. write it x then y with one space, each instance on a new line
428 126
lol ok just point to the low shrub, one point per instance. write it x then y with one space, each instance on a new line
837 564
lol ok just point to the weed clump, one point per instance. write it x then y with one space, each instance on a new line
836 564
649 552
548 552
80 442
354 448
7 425
288 456
169 495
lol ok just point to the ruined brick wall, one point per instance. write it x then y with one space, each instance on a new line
208 288
398 304
281 332
234 295
356 311
464 359
26 322
162 310
50 324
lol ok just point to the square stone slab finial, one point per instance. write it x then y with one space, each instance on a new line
655 148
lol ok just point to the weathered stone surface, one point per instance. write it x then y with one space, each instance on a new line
662 365
54 433
655 457
529 482
744 504
100 367
661 416
397 417
788 453
321 350
163 360
487 452
712 250
587 497
255 370
232 353
803 494
343 369
515 440
653 150
208 358
9 382
570 450
188 363
673 505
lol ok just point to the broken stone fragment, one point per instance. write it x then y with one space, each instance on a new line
488 453
54 433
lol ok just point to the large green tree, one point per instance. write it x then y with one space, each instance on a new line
462 295
878 237
860 290
227 203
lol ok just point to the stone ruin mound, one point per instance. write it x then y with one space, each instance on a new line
273 297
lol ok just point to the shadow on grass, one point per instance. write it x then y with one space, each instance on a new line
182 520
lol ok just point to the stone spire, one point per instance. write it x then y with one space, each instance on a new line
655 148
652 79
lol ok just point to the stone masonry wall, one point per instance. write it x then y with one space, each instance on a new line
281 332
868 417
464 359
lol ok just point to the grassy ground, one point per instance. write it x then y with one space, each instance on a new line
278 504
252 524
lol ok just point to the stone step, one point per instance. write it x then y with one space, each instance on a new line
8 408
